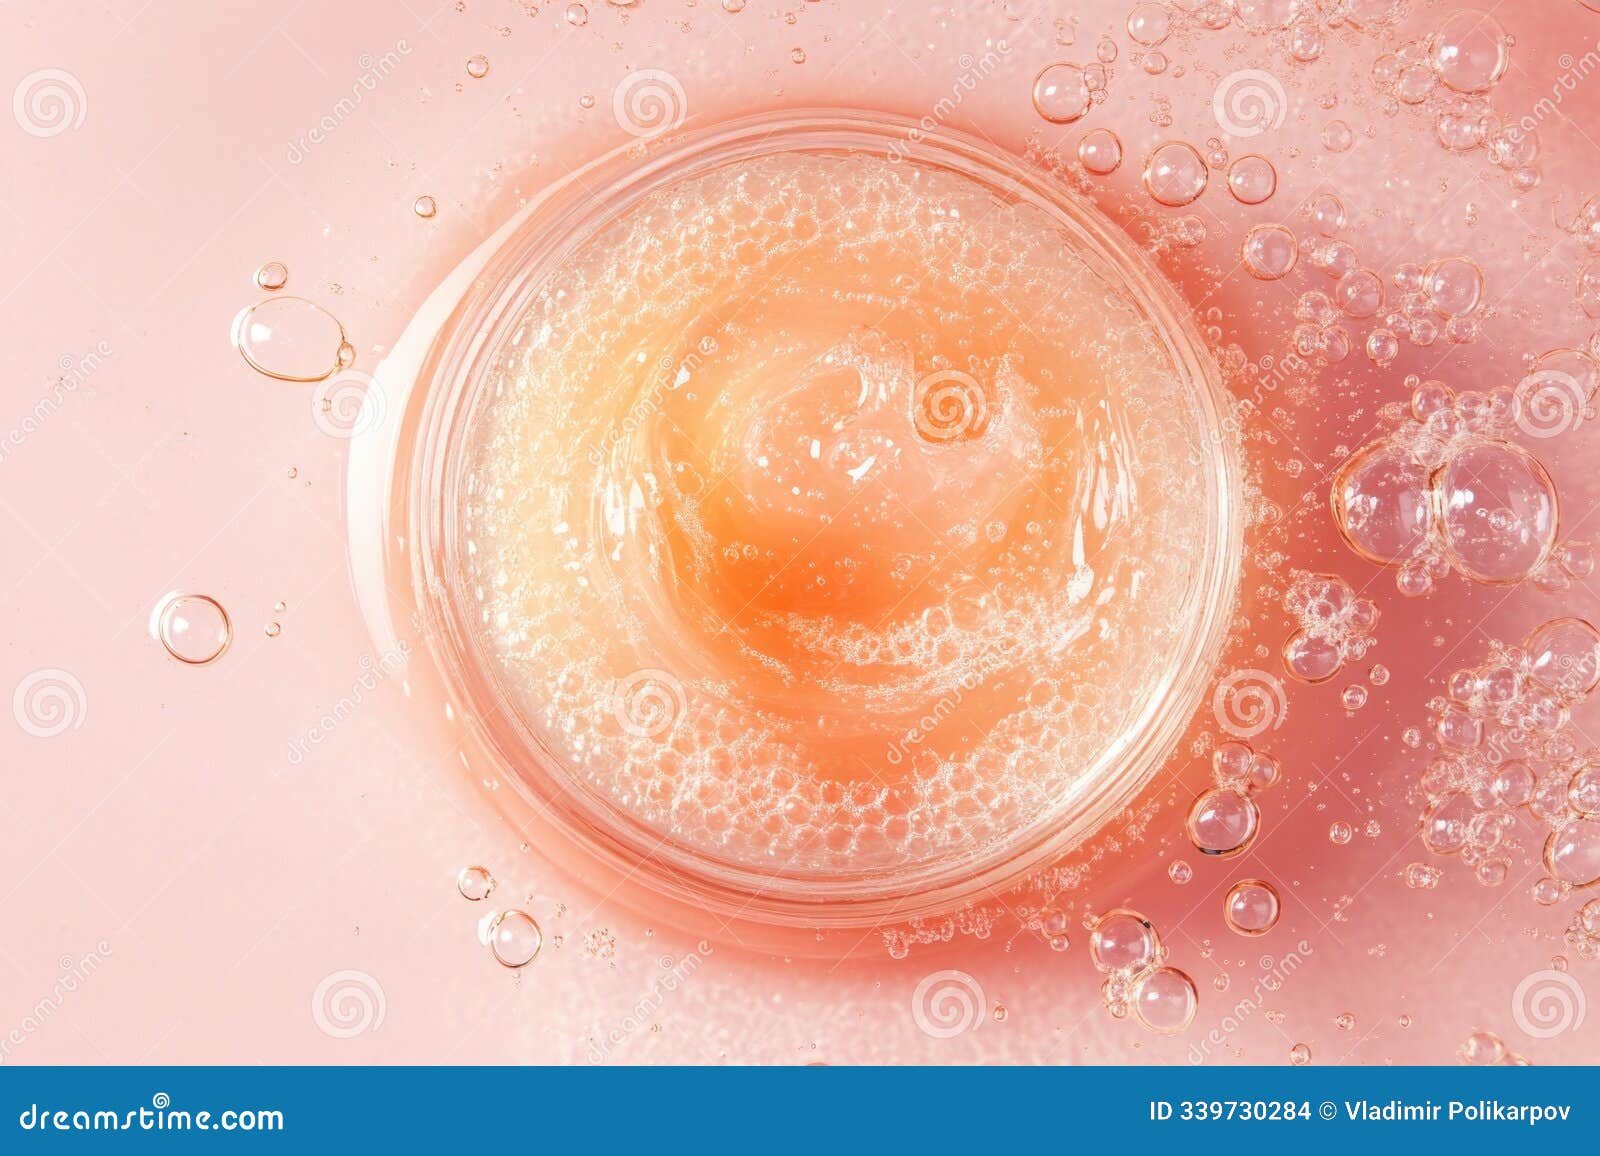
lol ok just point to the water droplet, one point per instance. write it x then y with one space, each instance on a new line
515 938
1269 252
1061 93
475 883
425 206
1251 907
478 66
1165 1001
1123 940
291 339
1100 152
1175 174
194 628
272 276
1222 822
1470 51
1252 179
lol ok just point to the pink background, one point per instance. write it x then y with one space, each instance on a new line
219 883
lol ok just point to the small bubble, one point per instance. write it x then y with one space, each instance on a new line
577 15
1222 822
1165 1001
1269 252
1175 174
272 276
425 207
1251 907
272 629
1345 1021
1470 51
1100 152
1180 872
1300 1055
1354 697
478 66
194 628
1340 833
1337 136
1252 179
1149 24
475 883
1061 93
515 938
1123 940
798 55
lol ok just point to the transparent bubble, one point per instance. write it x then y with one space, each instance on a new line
1175 174
1337 136
1312 658
1061 93
1180 872
1149 24
1123 940
515 938
291 339
478 66
1165 1001
1300 1055
1482 1049
1269 252
1252 179
1222 822
1572 854
1100 152
1454 286
272 276
1381 503
1470 51
1327 214
1265 15
194 628
1359 293
1565 657
1497 510
1252 907
425 206
475 883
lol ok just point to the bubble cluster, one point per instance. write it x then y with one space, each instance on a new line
1507 747
1334 626
1224 819
1449 77
1448 491
1124 947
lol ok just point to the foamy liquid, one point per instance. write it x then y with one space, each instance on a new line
826 515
